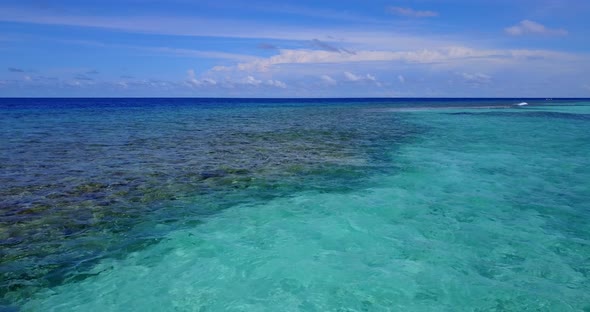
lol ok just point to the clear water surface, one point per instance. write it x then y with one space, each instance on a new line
294 205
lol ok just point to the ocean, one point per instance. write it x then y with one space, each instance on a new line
294 205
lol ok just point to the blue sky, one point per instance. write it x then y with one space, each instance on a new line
345 48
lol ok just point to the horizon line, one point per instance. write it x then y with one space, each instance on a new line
297 98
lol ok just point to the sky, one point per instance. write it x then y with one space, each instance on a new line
305 48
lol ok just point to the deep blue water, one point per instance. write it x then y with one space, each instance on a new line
20 103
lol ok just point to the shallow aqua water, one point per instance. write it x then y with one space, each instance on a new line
461 210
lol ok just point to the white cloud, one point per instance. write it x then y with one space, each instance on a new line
232 83
358 78
401 79
352 77
193 81
251 81
328 80
423 56
276 83
209 81
409 12
526 27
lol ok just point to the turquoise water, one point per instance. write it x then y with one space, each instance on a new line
313 206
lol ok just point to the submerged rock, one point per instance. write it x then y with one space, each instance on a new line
213 174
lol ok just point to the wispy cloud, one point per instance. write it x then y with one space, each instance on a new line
352 77
84 77
16 70
312 12
200 54
527 27
252 81
219 27
476 78
152 84
193 81
360 78
401 79
249 80
424 56
322 45
409 12
164 50
266 46
328 80
207 27
276 83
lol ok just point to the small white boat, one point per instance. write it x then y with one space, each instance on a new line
522 104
